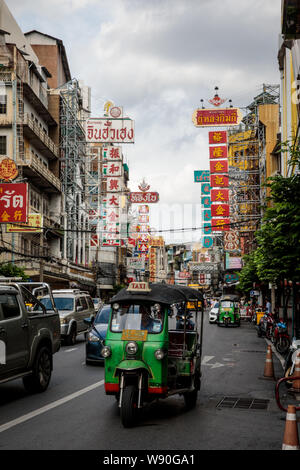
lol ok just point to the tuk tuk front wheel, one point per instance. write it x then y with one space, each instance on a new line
129 409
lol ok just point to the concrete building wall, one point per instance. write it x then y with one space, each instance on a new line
50 52
16 36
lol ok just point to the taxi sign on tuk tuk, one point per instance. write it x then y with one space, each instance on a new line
139 287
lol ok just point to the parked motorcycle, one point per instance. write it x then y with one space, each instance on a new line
265 326
281 338
290 360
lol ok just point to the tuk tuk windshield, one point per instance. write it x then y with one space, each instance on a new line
227 304
137 317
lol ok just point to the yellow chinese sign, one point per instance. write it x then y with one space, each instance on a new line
134 335
34 225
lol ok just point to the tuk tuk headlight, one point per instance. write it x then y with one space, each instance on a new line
131 348
106 351
159 354
116 306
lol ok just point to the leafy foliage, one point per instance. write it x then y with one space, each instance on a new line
11 270
248 274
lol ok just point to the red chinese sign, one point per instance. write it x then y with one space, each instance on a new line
218 166
220 210
141 198
219 181
217 137
218 225
218 152
219 195
13 202
217 117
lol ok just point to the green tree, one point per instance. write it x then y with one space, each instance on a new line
278 240
248 274
277 255
11 270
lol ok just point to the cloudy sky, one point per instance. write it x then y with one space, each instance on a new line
158 59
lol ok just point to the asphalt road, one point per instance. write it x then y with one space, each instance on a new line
75 413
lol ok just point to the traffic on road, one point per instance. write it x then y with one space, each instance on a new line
234 398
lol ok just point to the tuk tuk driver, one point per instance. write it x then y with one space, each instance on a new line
152 325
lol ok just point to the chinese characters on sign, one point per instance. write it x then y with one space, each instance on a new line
34 224
8 169
217 137
13 202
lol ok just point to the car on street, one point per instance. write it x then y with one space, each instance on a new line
213 313
96 335
29 335
73 307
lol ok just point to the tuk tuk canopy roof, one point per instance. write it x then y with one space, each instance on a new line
232 297
160 293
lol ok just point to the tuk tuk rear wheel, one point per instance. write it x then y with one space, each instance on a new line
190 399
129 405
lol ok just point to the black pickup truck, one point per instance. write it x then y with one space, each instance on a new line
29 335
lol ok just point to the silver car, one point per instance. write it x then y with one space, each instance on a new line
213 313
73 307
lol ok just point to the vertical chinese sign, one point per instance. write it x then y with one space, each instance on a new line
203 177
143 248
219 181
112 173
110 131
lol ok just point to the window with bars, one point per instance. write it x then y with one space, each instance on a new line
3 145
3 104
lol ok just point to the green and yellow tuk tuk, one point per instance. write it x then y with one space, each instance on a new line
229 312
153 346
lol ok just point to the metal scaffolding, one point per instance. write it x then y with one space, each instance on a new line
73 177
247 163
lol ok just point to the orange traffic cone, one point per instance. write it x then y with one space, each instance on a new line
296 383
269 369
290 438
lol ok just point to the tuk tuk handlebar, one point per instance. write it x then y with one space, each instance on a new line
280 382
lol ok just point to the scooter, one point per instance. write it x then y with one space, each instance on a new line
265 326
281 338
289 365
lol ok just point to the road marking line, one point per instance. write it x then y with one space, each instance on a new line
44 409
206 359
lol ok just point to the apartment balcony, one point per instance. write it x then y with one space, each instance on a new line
39 139
52 223
39 102
39 174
